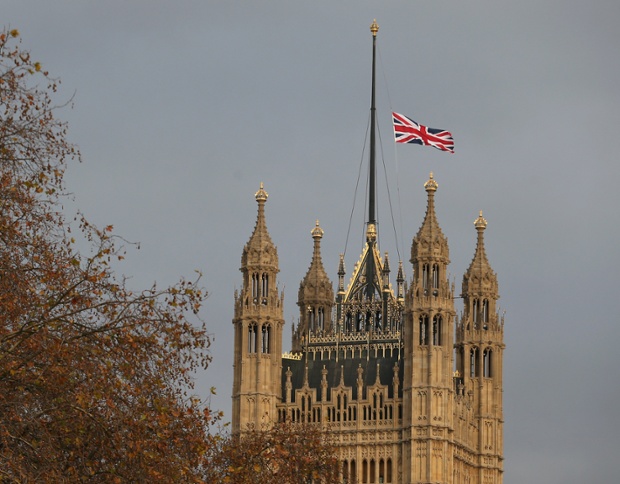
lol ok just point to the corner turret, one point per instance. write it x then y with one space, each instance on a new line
315 297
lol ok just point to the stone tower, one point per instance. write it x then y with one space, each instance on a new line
409 393
479 349
428 355
258 323
315 298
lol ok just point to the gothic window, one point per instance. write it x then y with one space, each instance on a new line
364 471
389 470
485 312
437 330
252 336
378 321
372 471
353 471
345 472
266 333
265 288
311 319
476 312
425 276
424 330
359 322
435 276
321 324
486 363
347 322
255 289
473 362
381 470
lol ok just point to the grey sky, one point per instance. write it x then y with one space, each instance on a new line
183 108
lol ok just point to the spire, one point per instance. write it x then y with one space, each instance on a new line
400 279
341 274
430 242
260 250
315 297
316 286
480 278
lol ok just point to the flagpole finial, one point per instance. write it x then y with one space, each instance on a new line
374 28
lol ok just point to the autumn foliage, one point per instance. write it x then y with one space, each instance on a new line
95 379
287 453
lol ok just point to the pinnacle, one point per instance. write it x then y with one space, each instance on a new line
430 241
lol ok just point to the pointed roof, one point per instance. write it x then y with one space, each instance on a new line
260 250
480 277
316 285
430 242
368 266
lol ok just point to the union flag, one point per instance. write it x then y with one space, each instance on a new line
406 130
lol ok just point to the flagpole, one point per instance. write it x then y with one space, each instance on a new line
371 230
374 28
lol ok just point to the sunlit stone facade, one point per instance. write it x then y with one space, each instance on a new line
409 391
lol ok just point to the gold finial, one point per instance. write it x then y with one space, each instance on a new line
261 195
480 222
317 232
374 28
431 185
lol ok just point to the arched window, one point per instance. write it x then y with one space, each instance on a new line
389 471
424 330
381 470
364 471
321 324
486 363
378 321
255 287
252 337
265 288
425 277
485 312
311 319
435 276
476 312
473 362
266 333
373 471
437 330
353 471
345 472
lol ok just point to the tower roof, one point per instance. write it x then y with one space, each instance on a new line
316 285
430 242
259 250
480 277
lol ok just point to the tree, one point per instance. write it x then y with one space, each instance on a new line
95 379
286 453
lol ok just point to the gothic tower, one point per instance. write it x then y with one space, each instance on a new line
408 393
315 297
428 355
479 348
258 323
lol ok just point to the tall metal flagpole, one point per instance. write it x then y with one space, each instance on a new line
374 28
371 230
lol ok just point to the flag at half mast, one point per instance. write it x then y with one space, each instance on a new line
406 130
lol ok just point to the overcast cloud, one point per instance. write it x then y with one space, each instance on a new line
182 108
